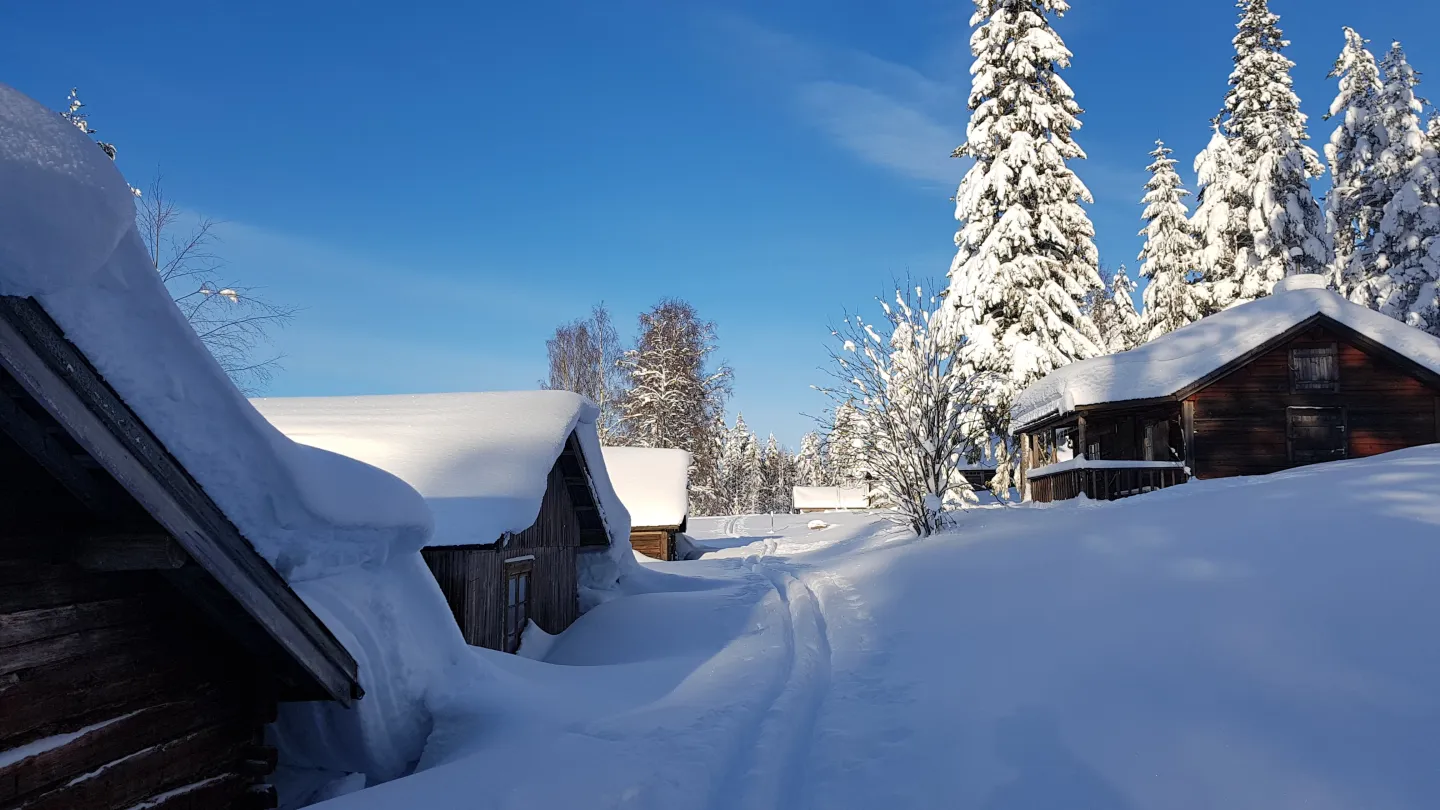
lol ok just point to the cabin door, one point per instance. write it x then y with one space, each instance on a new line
1316 434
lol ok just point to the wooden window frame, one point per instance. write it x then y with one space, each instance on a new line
1326 386
515 611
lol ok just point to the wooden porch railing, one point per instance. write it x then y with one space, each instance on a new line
1102 481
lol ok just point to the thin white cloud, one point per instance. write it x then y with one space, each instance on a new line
886 113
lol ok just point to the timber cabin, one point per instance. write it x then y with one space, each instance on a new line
515 481
144 643
1297 378
654 486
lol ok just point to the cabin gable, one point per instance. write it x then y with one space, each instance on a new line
1277 410
476 580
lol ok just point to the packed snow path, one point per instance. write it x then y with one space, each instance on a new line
1247 644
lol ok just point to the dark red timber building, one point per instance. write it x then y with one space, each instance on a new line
517 483
1300 377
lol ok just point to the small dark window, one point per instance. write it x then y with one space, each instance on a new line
1314 369
517 601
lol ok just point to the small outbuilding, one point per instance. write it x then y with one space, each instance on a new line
831 499
517 484
1300 377
147 634
654 485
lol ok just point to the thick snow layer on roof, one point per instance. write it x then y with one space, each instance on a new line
1169 363
831 498
481 460
68 239
653 483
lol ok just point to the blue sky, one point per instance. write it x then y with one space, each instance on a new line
437 185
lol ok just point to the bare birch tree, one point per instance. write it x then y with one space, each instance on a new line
232 320
585 357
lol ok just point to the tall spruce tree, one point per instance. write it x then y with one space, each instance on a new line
1265 226
1170 256
1355 201
1407 242
810 462
1123 333
1026 261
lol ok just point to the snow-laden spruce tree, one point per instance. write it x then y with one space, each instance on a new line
777 474
676 398
1355 201
1026 262
1244 252
1285 220
919 404
1123 330
738 477
810 462
1170 257
844 449
1407 241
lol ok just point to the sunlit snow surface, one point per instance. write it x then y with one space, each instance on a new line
1247 644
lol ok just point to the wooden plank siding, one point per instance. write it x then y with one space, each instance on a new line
472 577
1240 421
657 544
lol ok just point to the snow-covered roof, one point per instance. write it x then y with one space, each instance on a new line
68 239
831 498
481 461
1171 363
653 483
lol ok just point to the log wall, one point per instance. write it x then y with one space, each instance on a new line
656 544
115 696
1240 421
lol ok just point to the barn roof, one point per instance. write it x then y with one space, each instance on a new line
1175 362
652 482
481 460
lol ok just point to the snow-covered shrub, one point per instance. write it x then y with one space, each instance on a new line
904 380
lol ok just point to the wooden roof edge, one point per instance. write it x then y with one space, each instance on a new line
574 454
34 350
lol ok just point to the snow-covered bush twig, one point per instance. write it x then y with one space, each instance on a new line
904 378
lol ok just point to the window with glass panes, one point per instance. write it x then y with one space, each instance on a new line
517 600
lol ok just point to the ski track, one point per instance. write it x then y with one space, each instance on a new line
767 771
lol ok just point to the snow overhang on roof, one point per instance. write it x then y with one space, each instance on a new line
652 482
1170 364
831 498
481 460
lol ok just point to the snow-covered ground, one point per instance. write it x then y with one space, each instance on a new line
1251 643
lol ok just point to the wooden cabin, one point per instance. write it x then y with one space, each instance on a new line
493 588
516 495
144 644
1298 378
654 485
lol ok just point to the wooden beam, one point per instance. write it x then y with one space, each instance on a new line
31 436
1187 430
